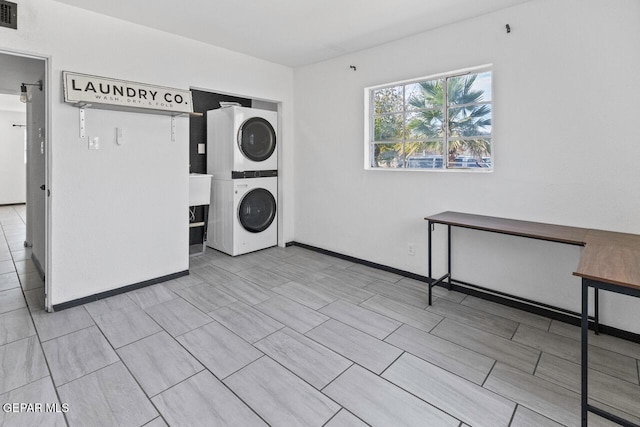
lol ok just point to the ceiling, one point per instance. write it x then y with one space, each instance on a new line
294 32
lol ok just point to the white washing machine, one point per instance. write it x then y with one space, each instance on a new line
241 142
244 215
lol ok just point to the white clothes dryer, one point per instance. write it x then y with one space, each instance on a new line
244 215
241 140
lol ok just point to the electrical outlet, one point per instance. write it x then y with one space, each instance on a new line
411 249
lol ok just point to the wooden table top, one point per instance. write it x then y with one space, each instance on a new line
601 237
533 230
608 256
612 258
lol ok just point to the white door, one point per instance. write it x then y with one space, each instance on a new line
36 175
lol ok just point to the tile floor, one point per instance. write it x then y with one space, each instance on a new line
288 337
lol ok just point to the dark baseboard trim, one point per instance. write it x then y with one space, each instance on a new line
360 261
107 294
545 310
36 261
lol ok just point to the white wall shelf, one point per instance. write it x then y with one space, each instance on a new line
83 105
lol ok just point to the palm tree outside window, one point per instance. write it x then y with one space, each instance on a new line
437 124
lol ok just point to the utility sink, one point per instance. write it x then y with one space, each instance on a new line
199 189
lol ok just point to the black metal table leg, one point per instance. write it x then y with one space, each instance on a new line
429 264
596 322
449 255
585 351
585 406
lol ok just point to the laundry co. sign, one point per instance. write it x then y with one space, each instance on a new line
87 89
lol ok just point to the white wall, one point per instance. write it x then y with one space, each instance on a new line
12 167
118 214
565 114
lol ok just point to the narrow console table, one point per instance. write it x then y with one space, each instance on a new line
610 261
512 227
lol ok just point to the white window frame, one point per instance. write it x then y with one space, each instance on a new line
369 123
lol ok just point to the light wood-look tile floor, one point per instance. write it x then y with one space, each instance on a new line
290 337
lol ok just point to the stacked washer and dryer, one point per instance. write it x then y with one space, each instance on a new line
243 160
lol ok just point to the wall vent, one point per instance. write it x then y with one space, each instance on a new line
8 14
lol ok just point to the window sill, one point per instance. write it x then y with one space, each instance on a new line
468 170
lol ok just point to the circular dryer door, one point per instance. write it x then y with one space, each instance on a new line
257 210
257 139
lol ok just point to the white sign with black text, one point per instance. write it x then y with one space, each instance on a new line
87 89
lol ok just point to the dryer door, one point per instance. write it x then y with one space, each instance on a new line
257 210
256 139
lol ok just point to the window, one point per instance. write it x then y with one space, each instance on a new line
438 123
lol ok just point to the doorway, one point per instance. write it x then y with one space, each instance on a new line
24 202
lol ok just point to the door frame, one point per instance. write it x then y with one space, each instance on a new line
47 165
